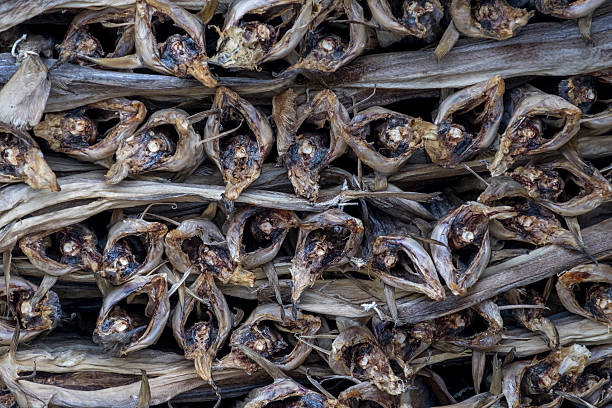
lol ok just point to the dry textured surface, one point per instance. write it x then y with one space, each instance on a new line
306 203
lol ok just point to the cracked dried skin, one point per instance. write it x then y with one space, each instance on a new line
579 91
22 161
494 19
325 240
533 319
76 250
355 353
567 8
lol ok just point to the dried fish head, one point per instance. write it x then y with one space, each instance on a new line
586 290
462 132
285 392
22 161
324 51
63 250
529 129
197 245
418 18
90 28
366 393
134 247
402 262
568 9
166 142
93 132
309 138
533 318
239 158
384 140
263 332
356 353
202 340
578 90
458 328
494 19
325 240
465 249
123 330
255 235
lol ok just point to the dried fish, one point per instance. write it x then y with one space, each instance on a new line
166 142
533 318
63 250
134 247
462 131
494 19
571 9
419 18
22 161
239 158
90 133
325 240
366 393
384 140
287 392
465 249
461 329
120 328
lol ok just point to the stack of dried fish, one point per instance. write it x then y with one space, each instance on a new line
306 203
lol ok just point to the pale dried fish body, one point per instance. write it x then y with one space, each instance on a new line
133 247
572 9
367 393
321 52
401 262
385 147
76 247
287 392
80 43
202 340
22 161
586 290
255 235
247 44
325 240
533 318
123 331
525 133
419 18
198 246
261 332
80 133
166 142
494 19
465 229
239 158
457 141
356 353
32 319
451 328
309 137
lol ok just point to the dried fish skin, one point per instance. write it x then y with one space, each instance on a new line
198 246
356 353
22 161
367 393
77 250
247 44
325 240
402 262
261 333
494 19
568 10
596 283
525 135
123 331
255 235
309 137
239 158
166 142
321 52
32 319
79 43
287 392
456 142
123 258
466 228
77 134
452 327
533 318
419 18
202 340
396 139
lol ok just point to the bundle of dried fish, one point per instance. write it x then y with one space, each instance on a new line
92 132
